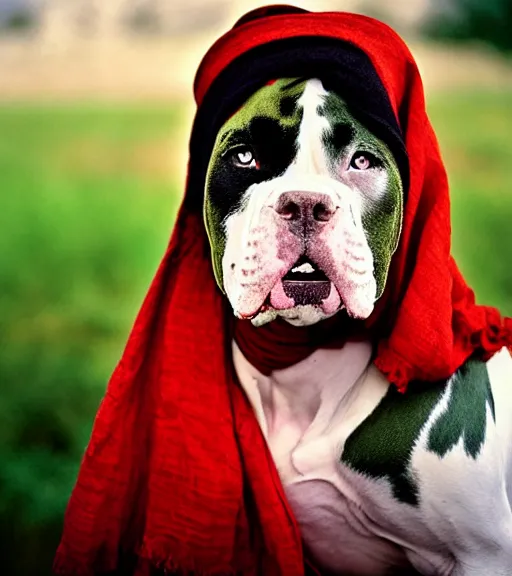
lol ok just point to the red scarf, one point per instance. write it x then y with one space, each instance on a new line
177 474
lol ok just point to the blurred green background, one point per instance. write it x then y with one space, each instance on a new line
91 177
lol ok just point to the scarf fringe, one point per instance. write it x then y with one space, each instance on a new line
153 557
497 335
487 341
394 368
162 559
172 568
62 567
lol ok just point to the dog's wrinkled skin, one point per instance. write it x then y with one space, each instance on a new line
303 207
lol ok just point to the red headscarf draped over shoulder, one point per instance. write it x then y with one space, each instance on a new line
177 475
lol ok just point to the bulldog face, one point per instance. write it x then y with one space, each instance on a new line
303 207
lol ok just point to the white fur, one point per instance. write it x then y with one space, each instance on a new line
311 158
352 524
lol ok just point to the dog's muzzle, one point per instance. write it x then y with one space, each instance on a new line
298 242
305 213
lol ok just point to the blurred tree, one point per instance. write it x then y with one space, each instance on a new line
19 21
489 21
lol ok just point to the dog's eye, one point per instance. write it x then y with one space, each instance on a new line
244 158
363 161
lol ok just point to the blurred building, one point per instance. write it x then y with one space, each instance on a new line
125 49
109 18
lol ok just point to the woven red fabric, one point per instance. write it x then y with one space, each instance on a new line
177 470
177 474
278 345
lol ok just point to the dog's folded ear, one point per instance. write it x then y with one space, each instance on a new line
266 11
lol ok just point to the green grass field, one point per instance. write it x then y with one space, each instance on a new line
88 199
474 132
87 207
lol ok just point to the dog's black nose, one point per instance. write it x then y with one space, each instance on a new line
312 206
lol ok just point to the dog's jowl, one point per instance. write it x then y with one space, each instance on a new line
303 207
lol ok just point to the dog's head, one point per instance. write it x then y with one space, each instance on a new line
303 207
